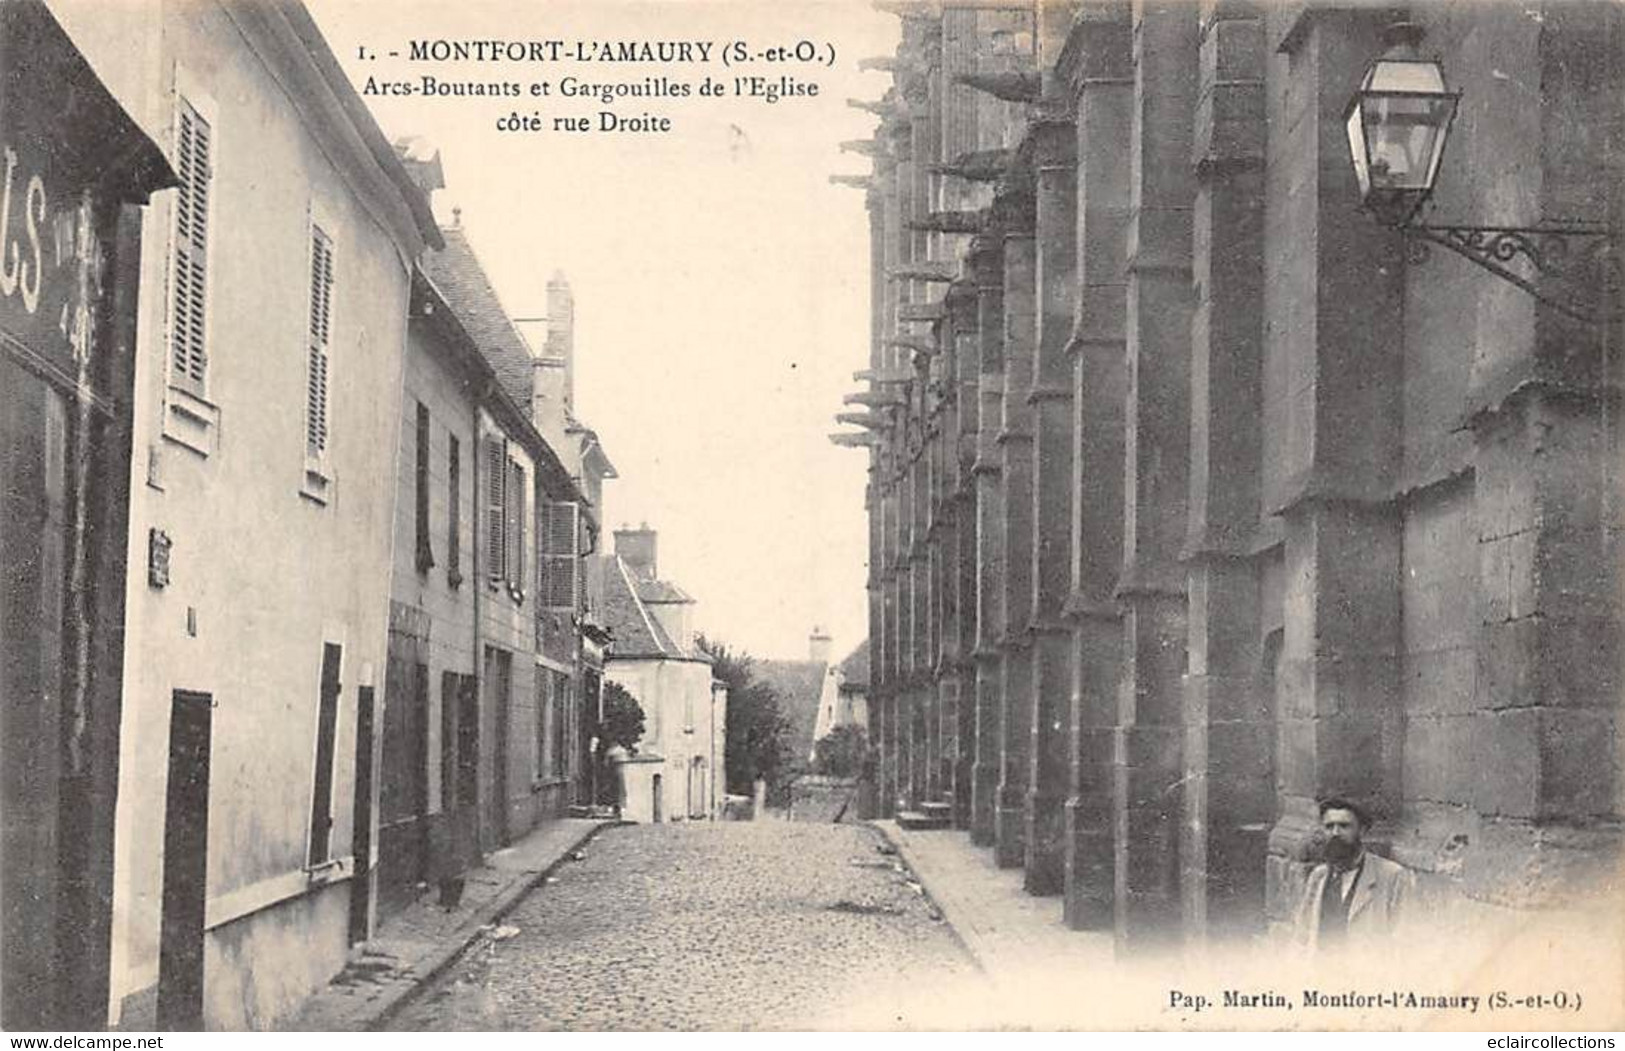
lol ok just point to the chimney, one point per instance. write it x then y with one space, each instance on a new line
818 646
561 333
637 548
422 164
553 375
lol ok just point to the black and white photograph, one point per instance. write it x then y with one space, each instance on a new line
812 516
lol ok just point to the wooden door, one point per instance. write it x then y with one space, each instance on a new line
361 881
186 858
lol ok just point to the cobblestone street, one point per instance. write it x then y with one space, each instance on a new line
768 925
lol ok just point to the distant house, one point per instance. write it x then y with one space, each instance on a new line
806 690
679 771
850 705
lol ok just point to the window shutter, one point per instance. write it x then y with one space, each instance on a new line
425 549
558 570
516 527
544 712
496 508
454 517
188 281
561 707
321 326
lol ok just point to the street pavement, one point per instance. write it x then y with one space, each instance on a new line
696 926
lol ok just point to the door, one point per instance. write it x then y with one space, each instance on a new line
361 882
498 687
657 811
468 770
445 859
403 777
186 857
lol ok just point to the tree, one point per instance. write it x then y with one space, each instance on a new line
840 752
757 733
622 721
621 724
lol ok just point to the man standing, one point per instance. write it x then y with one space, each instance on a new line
1354 898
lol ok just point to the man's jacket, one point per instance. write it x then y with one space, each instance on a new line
1376 905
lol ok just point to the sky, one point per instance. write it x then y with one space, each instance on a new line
721 281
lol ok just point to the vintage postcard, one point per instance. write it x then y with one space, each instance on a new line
606 515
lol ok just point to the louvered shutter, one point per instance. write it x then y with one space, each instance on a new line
320 336
558 569
454 517
188 281
496 509
516 526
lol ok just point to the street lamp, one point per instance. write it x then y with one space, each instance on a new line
1398 124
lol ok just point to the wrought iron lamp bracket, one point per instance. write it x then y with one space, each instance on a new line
1573 267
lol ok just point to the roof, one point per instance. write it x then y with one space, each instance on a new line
799 686
467 352
855 669
592 451
297 18
661 591
637 632
457 272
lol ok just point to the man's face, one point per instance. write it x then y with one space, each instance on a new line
1342 830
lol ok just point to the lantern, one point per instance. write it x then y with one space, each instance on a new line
1397 125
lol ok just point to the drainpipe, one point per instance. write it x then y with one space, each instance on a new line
476 581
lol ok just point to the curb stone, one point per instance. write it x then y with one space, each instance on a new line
428 968
903 855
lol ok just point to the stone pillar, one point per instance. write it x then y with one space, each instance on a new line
962 306
921 690
1333 377
1229 721
987 271
1013 211
1544 404
893 699
876 201
1055 147
885 665
957 683
945 553
1098 58
925 147
1148 752
910 716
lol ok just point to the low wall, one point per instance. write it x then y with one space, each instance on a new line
815 797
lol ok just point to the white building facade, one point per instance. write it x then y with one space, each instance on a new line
267 398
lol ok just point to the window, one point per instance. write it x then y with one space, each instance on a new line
561 727
321 796
556 558
505 519
516 531
425 551
543 723
552 724
454 516
321 322
496 510
188 281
